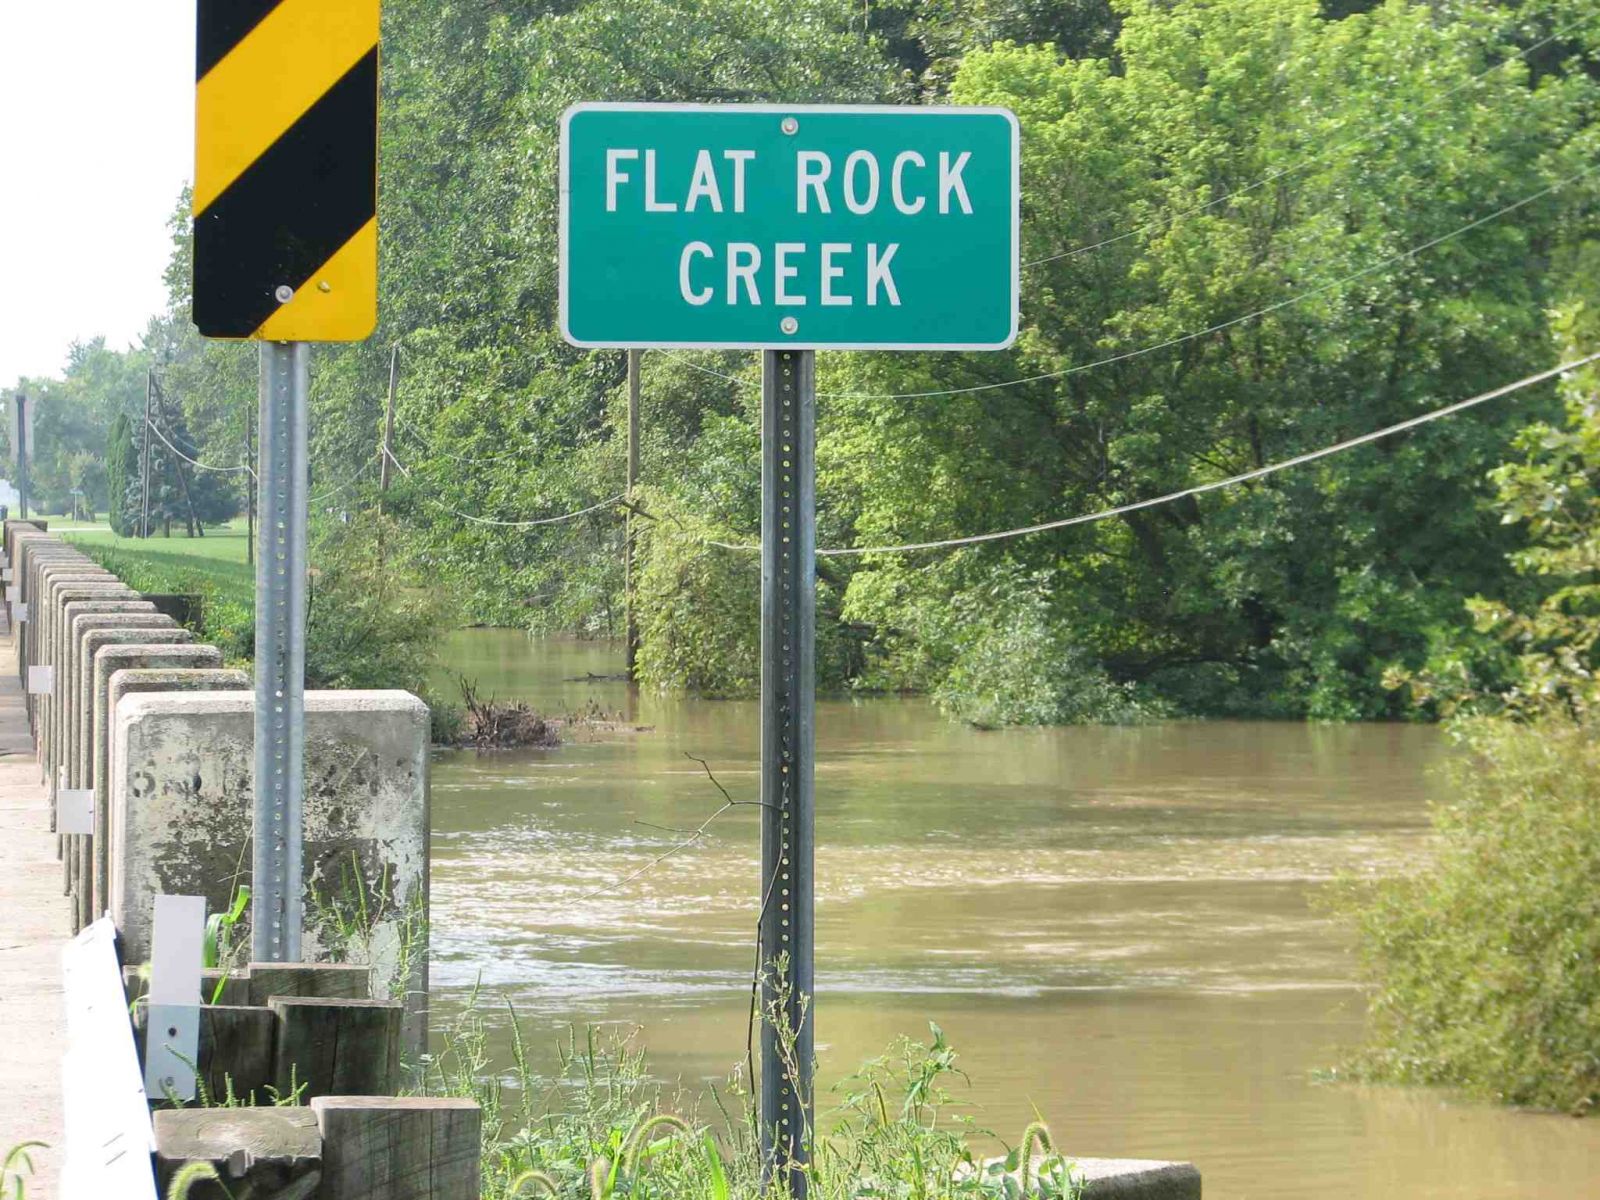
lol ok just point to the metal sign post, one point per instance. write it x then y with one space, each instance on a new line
285 253
788 228
279 819
788 728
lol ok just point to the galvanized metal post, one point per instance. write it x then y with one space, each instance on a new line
788 641
278 827
631 620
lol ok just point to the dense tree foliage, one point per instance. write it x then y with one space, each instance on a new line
1186 163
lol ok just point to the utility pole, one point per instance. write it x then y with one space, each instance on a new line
249 488
278 823
388 427
22 454
144 464
177 469
631 631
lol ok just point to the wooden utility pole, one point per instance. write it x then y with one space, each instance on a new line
144 458
194 525
22 454
632 619
388 427
250 485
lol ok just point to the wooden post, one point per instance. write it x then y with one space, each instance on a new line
234 985
250 486
398 1148
325 981
144 465
263 1153
388 427
177 467
337 1047
631 632
236 1052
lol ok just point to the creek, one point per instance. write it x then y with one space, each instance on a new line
1115 926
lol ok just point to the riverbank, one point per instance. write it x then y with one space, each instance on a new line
33 914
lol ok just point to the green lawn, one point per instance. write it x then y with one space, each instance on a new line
218 557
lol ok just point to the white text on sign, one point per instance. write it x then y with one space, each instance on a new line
744 272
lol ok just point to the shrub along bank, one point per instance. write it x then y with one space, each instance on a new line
366 626
1485 965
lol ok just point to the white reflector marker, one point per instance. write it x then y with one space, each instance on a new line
74 810
41 680
172 1029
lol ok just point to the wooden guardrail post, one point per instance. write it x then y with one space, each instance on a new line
398 1148
337 1047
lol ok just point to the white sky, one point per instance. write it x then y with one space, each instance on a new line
96 139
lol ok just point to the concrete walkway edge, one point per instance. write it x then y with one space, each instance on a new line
34 924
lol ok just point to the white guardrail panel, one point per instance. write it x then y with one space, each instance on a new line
109 1137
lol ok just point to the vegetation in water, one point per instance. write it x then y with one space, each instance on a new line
485 723
1485 965
1186 164
603 1127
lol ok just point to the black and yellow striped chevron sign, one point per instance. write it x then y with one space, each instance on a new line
286 169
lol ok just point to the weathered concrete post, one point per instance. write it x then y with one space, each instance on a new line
181 796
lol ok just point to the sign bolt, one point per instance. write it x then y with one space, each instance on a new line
789 325
284 293
790 125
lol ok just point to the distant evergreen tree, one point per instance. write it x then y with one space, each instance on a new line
122 465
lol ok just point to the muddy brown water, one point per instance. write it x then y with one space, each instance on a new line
1115 927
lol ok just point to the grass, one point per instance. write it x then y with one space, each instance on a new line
212 567
603 1129
219 556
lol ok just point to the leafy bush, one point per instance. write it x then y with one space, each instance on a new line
1486 965
1013 666
227 609
364 629
699 607
700 610
989 646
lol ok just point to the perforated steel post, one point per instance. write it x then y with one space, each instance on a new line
279 819
788 639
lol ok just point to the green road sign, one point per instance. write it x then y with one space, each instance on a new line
747 226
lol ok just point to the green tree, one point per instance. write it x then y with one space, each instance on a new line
122 464
1143 222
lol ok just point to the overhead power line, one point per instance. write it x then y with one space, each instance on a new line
462 459
1214 485
477 520
1181 339
156 429
1405 114
348 483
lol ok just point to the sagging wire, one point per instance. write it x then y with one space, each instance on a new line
1201 489
609 502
